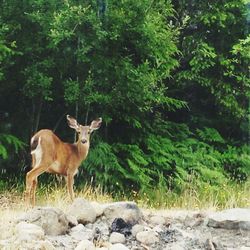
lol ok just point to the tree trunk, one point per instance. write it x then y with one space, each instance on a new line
38 115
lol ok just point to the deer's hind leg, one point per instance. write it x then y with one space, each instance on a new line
40 164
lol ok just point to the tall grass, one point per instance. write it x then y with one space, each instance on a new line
191 196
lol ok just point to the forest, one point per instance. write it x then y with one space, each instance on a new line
170 79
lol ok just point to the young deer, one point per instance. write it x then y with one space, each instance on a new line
51 155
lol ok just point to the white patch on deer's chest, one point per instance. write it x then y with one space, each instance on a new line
37 153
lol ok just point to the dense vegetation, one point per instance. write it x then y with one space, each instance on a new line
169 78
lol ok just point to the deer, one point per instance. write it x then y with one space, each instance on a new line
51 155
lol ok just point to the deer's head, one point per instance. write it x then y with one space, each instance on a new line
84 132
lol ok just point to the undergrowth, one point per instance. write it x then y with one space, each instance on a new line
195 195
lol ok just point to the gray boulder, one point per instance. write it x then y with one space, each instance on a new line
85 245
147 237
117 238
236 218
136 229
128 211
80 232
27 232
52 220
83 211
157 220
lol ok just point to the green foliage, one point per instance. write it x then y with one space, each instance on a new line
7 140
167 157
102 165
236 161
210 135
39 83
212 45
169 78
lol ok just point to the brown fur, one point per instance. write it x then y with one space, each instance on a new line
68 155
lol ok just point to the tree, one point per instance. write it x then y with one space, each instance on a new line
213 77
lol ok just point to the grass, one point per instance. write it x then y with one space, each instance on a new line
202 196
191 196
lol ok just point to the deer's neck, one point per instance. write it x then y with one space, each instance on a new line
82 149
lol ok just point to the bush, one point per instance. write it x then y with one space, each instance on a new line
172 157
236 161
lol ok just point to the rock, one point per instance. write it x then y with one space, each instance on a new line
117 238
46 245
147 237
52 220
194 220
136 229
62 241
30 245
98 208
89 226
210 245
72 220
101 232
236 218
120 226
245 248
157 220
118 246
27 232
175 247
85 245
80 232
83 211
158 229
128 211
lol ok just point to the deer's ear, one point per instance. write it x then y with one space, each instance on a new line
72 122
96 124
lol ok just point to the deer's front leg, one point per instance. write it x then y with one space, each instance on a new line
70 183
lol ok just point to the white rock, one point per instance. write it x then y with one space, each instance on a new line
98 208
147 237
77 228
136 229
64 241
118 246
157 220
27 232
46 245
158 229
245 248
128 211
80 232
85 245
72 220
52 220
83 211
117 238
101 227
236 218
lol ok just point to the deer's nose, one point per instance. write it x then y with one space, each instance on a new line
83 141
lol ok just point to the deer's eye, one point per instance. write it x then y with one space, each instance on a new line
89 132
